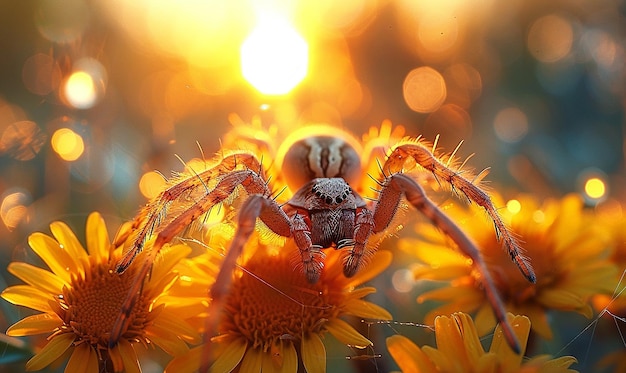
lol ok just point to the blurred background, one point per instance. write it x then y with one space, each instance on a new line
96 95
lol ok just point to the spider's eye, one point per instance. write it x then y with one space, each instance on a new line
319 156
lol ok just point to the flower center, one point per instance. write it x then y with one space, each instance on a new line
92 304
276 302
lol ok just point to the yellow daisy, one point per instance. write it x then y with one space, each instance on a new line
79 299
568 250
459 350
274 320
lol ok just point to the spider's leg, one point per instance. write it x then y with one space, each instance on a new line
256 206
251 181
363 226
398 185
312 255
425 158
151 219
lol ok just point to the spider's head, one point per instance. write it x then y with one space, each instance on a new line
319 152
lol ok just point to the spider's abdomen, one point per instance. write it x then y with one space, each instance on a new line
325 155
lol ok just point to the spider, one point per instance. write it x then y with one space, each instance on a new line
323 167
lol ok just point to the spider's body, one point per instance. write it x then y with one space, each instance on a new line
325 211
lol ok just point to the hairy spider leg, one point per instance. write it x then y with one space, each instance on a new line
252 182
152 218
363 228
430 162
398 185
312 255
256 206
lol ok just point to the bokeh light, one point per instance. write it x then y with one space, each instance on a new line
510 124
86 85
514 206
595 188
424 89
41 74
403 280
22 140
67 144
593 185
151 184
14 208
550 38
274 57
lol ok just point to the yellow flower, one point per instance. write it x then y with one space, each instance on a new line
568 250
80 298
274 318
459 350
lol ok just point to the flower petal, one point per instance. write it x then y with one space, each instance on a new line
539 322
252 360
460 294
83 360
28 296
449 340
313 354
473 348
491 363
230 357
560 364
346 333
499 346
408 356
169 324
378 263
56 257
66 237
443 273
485 320
290 358
35 324
560 299
51 351
37 277
166 339
268 363
435 254
168 257
361 308
361 292
97 237
126 357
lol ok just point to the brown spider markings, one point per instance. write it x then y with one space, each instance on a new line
325 211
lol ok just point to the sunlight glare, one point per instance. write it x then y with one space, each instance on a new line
86 85
80 90
274 57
